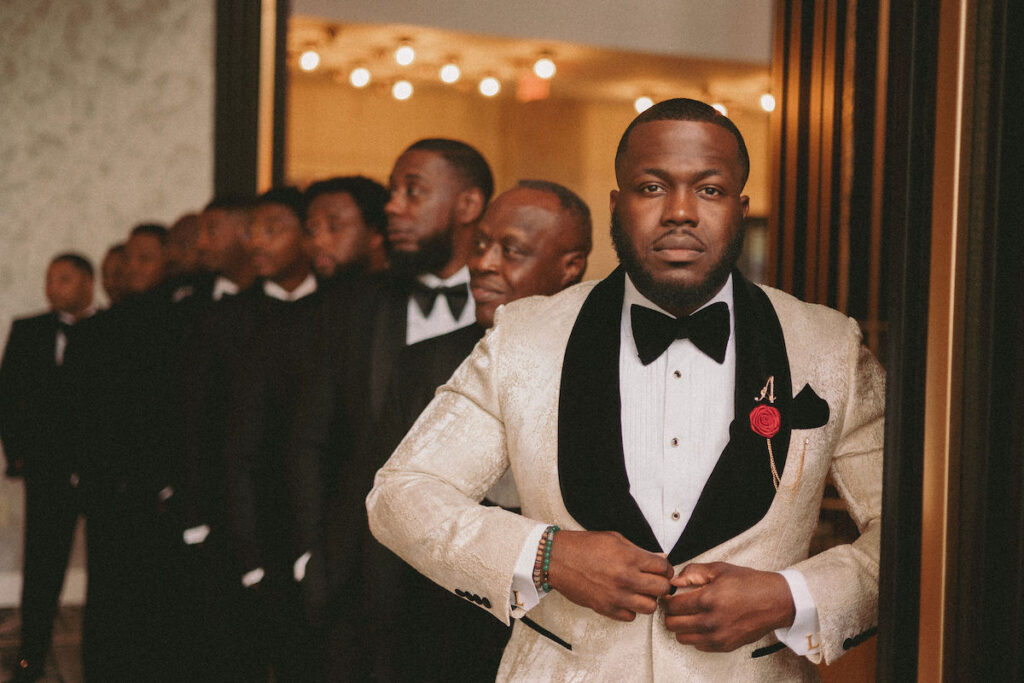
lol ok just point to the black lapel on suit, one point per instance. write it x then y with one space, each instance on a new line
591 468
388 340
740 489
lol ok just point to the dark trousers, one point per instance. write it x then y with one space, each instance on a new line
51 512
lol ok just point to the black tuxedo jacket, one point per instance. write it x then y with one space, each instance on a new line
34 405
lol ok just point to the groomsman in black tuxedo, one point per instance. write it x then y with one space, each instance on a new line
35 414
212 621
533 240
274 499
439 189
123 374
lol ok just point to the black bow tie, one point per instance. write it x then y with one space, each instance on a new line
708 329
457 297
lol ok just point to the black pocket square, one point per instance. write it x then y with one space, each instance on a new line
808 410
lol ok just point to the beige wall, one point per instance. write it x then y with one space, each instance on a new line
335 130
107 121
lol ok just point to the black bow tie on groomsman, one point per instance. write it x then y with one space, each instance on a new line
457 297
708 329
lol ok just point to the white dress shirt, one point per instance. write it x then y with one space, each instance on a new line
675 415
440 321
223 287
61 344
276 291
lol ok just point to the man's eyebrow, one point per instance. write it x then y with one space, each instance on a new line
698 176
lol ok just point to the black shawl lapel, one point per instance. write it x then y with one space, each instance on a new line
591 468
740 489
388 339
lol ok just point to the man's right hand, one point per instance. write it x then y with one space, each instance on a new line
603 571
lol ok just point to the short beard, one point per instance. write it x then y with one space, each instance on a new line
432 254
672 296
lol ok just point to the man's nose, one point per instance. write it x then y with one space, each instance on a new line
395 205
487 260
681 208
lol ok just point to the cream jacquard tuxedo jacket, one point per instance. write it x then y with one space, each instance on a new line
540 395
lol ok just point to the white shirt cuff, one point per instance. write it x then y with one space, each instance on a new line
524 595
299 568
165 493
196 534
251 578
803 636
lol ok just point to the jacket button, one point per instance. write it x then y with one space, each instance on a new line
460 593
487 603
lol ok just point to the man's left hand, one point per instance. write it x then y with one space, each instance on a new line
718 606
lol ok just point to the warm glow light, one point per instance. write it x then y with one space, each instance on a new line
768 102
405 54
490 86
309 60
450 73
402 90
544 68
720 108
643 104
359 77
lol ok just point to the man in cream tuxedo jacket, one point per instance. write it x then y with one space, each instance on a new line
670 467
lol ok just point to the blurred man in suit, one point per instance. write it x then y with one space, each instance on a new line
35 415
347 225
275 507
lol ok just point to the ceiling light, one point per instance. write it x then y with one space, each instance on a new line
768 102
642 104
402 90
720 108
490 86
404 55
360 77
309 60
450 72
544 68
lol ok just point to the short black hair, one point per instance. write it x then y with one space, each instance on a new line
153 229
230 202
116 248
465 159
76 260
684 109
285 195
369 195
571 203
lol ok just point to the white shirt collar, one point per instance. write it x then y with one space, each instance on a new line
223 287
276 291
69 319
633 296
457 278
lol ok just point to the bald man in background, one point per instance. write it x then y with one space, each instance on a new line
532 240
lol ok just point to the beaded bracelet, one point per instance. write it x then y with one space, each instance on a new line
543 561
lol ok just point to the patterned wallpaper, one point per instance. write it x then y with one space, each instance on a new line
106 120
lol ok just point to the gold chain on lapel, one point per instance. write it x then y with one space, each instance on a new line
776 479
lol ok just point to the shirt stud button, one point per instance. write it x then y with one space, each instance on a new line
674 442
677 374
675 516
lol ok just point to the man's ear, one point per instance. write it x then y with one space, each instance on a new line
744 204
574 263
469 205
613 197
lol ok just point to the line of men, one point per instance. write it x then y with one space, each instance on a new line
219 425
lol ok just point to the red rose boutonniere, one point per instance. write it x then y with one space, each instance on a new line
765 421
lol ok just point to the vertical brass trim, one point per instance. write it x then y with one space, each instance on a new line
268 74
943 372
846 141
878 177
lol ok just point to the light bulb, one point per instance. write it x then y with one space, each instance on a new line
768 102
720 108
490 86
402 90
544 68
309 60
359 77
643 104
450 73
405 54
